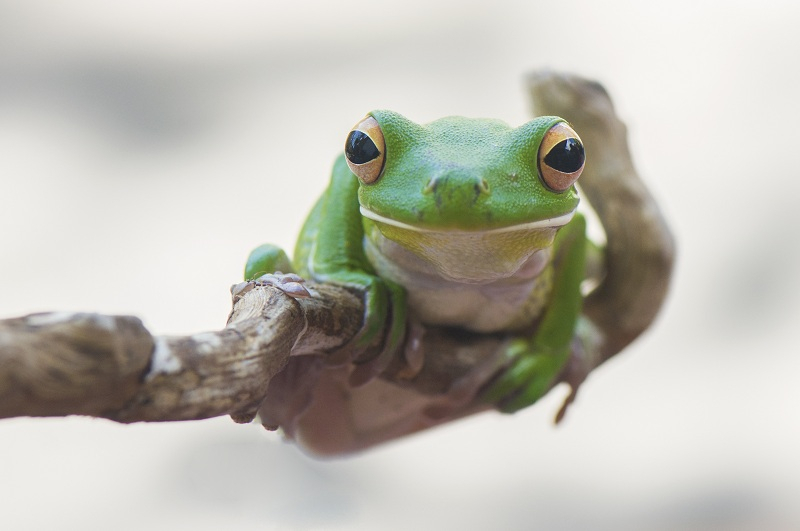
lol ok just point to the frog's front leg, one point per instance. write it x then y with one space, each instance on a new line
534 363
331 249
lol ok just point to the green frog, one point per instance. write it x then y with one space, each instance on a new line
463 223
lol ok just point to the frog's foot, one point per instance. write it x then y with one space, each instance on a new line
411 352
289 283
385 301
530 375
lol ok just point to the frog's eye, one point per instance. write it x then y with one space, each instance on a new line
365 150
561 157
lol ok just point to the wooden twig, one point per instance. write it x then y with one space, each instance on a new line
640 250
110 366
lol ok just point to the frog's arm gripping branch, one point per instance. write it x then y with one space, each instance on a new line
58 364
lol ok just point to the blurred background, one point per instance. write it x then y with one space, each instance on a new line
146 147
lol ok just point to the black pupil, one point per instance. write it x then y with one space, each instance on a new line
567 156
360 148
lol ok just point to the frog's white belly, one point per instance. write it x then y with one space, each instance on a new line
478 310
489 305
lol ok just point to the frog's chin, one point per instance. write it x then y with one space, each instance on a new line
554 222
473 257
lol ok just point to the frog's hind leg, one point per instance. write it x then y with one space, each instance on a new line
266 259
536 362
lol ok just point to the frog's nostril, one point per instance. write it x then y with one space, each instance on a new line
455 184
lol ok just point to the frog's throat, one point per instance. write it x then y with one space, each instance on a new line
557 221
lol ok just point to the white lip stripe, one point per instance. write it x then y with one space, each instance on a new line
541 224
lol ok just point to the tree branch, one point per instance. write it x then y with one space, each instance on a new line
640 250
112 367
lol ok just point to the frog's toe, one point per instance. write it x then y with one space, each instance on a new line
527 395
508 387
289 283
529 377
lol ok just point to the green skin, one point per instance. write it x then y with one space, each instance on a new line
447 186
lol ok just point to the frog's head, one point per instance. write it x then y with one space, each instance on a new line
475 198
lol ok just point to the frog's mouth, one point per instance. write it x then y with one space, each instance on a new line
555 222
473 256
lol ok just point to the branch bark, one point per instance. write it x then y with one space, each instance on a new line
640 250
111 366
57 364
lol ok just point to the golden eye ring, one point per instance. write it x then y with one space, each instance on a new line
561 157
365 150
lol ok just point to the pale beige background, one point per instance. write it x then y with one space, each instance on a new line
146 146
